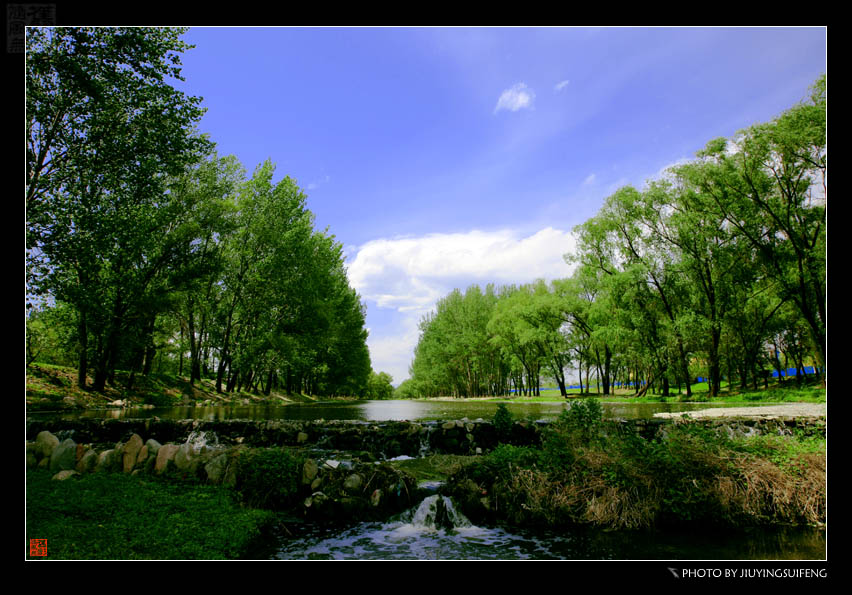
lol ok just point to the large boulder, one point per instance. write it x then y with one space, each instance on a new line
45 443
87 462
165 456
153 447
184 457
131 453
108 460
64 456
216 467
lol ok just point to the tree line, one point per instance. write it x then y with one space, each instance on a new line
146 250
717 269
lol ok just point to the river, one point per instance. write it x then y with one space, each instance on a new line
415 535
391 410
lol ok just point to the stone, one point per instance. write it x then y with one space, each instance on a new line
309 471
143 455
106 460
216 468
376 498
164 456
183 457
353 483
316 500
64 474
301 438
46 442
131 452
153 447
87 462
64 456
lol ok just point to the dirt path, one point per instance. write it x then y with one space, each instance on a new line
765 411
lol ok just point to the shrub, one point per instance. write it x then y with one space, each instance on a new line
503 422
270 478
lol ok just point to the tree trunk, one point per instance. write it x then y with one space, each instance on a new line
82 367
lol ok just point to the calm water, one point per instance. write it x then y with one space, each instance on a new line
379 411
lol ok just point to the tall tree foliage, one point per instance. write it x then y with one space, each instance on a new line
769 184
715 268
155 243
105 129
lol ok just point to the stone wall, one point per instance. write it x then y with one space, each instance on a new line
329 490
379 440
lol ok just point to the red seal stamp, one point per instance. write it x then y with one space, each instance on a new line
38 547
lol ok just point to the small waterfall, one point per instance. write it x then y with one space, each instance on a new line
425 446
198 440
436 512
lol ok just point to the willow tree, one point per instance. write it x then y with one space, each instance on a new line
769 184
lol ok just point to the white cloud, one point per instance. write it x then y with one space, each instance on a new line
561 85
316 184
516 98
411 272
406 277
590 179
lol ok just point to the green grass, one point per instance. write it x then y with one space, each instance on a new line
788 392
432 468
120 517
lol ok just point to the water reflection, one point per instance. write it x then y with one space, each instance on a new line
375 411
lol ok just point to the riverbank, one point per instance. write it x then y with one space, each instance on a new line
54 388
580 470
591 472
791 410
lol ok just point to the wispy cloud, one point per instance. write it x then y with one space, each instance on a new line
590 179
318 183
561 85
518 97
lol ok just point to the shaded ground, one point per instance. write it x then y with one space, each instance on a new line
55 388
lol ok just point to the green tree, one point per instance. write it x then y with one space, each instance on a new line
769 184
379 386
105 130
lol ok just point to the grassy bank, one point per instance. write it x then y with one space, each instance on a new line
779 392
55 387
113 516
588 472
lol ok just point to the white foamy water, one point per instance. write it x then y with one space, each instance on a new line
434 530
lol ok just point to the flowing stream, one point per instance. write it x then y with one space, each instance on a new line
434 530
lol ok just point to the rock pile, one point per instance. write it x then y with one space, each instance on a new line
331 490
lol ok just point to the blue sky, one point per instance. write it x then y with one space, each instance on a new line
443 157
